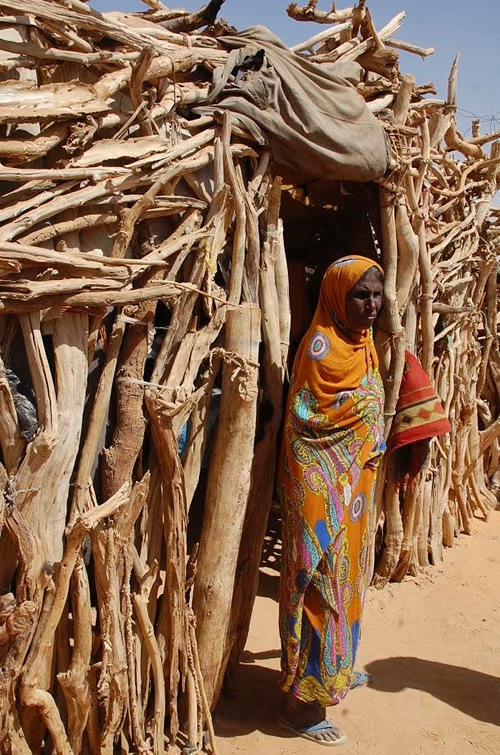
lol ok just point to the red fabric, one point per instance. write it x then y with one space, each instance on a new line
419 412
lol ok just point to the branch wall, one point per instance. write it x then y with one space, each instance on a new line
145 326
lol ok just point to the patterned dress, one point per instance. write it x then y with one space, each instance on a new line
333 439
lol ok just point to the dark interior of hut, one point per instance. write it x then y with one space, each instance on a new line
323 221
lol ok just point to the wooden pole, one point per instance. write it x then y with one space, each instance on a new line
227 494
263 469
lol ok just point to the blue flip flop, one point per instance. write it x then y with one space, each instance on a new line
360 679
308 732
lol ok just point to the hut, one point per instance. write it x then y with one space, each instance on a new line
163 177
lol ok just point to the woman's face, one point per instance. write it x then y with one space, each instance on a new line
364 301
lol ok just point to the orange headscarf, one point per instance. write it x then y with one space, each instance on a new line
331 357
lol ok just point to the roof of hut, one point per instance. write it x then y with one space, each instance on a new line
114 98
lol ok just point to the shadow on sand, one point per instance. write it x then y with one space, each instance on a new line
257 701
474 693
256 705
269 585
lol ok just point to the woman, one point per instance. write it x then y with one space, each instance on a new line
332 441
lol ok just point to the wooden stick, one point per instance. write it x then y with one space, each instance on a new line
74 681
227 494
322 36
402 103
237 263
148 634
174 622
407 47
201 682
394 361
309 13
265 454
31 694
97 419
394 533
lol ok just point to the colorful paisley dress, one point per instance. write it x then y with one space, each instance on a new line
333 439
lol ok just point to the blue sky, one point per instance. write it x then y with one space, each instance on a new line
451 26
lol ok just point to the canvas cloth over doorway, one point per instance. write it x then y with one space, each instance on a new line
311 116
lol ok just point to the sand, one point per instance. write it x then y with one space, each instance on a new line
432 646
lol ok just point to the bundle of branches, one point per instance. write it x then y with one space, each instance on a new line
440 250
144 292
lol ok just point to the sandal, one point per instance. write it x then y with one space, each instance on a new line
360 679
316 733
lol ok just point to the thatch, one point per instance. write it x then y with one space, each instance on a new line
143 293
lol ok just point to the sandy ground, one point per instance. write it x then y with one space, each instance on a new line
432 645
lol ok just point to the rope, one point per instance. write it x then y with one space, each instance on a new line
244 370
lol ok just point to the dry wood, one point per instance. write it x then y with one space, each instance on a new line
408 47
31 694
394 530
323 36
263 471
227 494
38 103
11 440
402 103
120 458
97 418
408 249
74 681
393 337
309 12
193 21
174 620
29 148
137 239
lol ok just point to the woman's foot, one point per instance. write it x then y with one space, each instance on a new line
323 733
308 720
360 679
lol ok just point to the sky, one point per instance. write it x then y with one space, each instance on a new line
451 26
